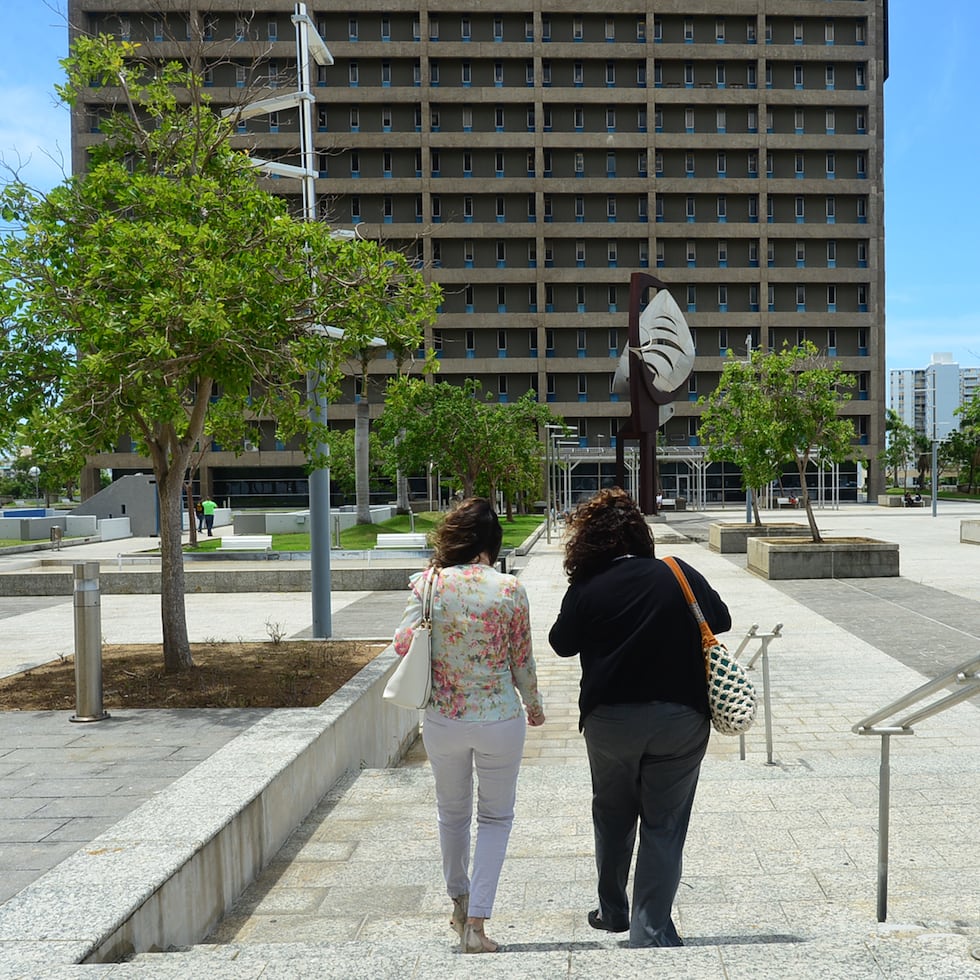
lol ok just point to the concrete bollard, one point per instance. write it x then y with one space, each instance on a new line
88 643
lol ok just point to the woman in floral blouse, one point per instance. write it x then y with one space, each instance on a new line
481 659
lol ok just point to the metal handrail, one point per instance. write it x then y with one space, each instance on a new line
967 675
763 651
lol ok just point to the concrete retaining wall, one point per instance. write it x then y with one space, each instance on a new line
115 529
81 527
969 532
165 875
890 500
141 580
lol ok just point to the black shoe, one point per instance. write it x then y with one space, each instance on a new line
595 920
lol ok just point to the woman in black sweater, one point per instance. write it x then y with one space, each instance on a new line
643 706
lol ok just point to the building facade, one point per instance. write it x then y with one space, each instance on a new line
531 155
926 399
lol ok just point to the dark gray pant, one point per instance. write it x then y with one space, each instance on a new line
645 761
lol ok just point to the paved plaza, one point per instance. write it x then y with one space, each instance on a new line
780 868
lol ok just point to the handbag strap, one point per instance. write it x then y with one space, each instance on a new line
707 634
427 591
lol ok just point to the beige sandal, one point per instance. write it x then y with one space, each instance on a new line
458 921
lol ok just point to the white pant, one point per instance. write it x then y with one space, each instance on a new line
496 748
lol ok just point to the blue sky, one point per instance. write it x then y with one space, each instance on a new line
932 132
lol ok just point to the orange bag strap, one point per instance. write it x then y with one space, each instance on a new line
708 637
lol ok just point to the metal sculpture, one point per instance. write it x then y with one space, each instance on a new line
654 367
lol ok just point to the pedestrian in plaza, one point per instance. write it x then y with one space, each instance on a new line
482 671
209 507
643 707
199 511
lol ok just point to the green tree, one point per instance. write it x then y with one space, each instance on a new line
481 445
136 294
736 426
962 446
899 445
782 407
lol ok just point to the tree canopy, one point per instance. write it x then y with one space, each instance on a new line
164 294
483 445
779 408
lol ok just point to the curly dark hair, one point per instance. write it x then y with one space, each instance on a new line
601 529
466 532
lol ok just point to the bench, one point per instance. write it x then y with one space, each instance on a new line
413 542
246 542
666 504
784 502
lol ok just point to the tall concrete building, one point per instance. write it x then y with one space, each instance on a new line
927 398
531 155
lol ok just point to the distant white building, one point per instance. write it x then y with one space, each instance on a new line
927 398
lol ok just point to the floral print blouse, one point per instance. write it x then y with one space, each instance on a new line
481 642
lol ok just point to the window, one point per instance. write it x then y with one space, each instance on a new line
861 165
689 119
862 295
578 73
831 252
720 29
753 250
692 298
501 209
436 207
641 74
385 28
579 163
352 73
753 163
610 28
798 32
862 209
722 299
498 73
800 252
751 75
799 165
641 163
831 163
771 253
434 119
798 76
722 207
386 117
611 164
465 28
799 120
690 209
467 117
352 28
641 119
470 341
828 32
466 73
658 162
468 208
501 338
610 73
800 295
386 73
721 162
830 76
831 206
272 30
641 28
578 117
498 28
860 76
529 73
386 162
689 163
583 385
832 301
860 121
720 74
580 341
862 254
578 31
721 120
498 163
692 252
387 209
750 33
546 72
689 73
467 163
433 28
610 118
753 296
579 208
467 251
722 252
830 120
498 118
612 252
688 29
355 209
580 252
468 294
611 206
545 28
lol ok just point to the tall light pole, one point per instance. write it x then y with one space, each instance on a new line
35 473
309 45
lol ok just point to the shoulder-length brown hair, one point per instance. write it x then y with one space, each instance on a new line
466 532
603 528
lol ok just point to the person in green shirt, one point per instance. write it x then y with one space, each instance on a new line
209 508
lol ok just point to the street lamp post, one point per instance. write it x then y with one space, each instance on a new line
35 473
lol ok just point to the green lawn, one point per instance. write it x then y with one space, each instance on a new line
364 536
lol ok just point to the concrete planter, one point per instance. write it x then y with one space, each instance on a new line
730 539
969 532
840 558
890 500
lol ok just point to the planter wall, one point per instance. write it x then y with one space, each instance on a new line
842 558
730 539
890 500
969 532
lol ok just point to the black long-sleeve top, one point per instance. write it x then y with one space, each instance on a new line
637 638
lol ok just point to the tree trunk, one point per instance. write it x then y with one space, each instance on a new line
362 468
754 497
176 646
805 497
